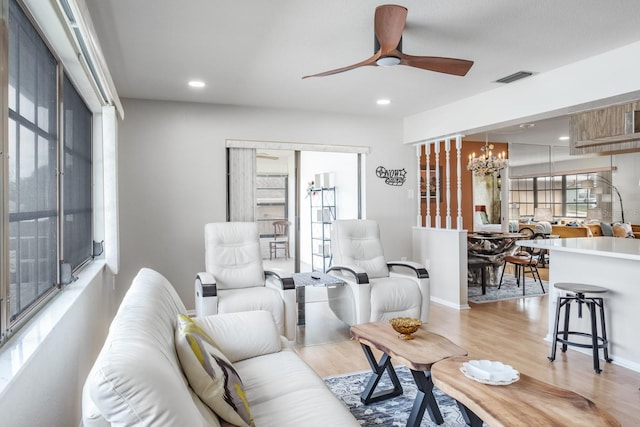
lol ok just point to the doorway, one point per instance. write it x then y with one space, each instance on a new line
308 189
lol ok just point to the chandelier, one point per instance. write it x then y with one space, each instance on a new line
487 163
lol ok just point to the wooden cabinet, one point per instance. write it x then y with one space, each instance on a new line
614 129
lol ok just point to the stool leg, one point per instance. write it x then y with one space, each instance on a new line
604 330
504 267
554 339
567 311
594 336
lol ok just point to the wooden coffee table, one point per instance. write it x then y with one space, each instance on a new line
526 402
417 354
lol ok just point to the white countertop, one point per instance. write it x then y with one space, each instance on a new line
613 247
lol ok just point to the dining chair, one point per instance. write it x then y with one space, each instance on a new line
280 239
525 260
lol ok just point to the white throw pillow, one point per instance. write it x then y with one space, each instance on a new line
210 374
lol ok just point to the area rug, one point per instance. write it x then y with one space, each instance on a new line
391 412
508 290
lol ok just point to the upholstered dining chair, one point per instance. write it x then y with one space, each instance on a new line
375 290
235 279
280 239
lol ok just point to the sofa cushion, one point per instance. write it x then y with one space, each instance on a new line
284 391
606 229
259 298
239 342
210 374
622 230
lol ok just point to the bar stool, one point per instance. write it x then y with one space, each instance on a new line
576 294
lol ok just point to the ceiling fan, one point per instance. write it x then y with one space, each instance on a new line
389 22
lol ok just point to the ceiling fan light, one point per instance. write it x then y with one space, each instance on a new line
388 61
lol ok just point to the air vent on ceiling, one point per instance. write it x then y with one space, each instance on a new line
515 76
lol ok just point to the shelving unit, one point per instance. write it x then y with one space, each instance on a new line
323 213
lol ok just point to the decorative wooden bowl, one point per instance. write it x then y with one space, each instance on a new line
405 326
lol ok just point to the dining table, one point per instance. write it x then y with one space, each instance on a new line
487 250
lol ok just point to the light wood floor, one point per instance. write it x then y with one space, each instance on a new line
512 332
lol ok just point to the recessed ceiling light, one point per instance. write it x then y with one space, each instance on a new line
527 125
383 101
196 83
564 138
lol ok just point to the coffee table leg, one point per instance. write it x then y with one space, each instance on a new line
368 396
469 416
424 400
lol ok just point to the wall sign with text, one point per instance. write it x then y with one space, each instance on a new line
392 176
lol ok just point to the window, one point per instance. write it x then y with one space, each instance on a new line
77 236
272 203
34 149
565 194
578 199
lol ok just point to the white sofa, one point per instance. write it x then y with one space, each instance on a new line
137 379
480 223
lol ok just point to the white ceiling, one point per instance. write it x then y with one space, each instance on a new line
254 52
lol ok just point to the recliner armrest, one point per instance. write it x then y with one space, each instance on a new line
357 272
285 278
419 269
208 283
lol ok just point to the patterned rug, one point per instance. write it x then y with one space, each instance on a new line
508 290
391 412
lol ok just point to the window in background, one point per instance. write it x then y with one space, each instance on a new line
521 194
272 201
563 193
578 199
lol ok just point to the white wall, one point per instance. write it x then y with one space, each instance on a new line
47 390
574 87
172 177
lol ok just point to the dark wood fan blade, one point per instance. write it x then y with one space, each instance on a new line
458 67
389 24
369 61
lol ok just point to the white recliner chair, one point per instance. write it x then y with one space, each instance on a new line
235 279
376 290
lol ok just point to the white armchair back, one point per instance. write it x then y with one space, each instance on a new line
357 242
232 254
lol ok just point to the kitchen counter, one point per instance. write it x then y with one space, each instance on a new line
614 247
610 262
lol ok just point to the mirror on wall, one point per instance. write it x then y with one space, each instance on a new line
543 175
547 183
